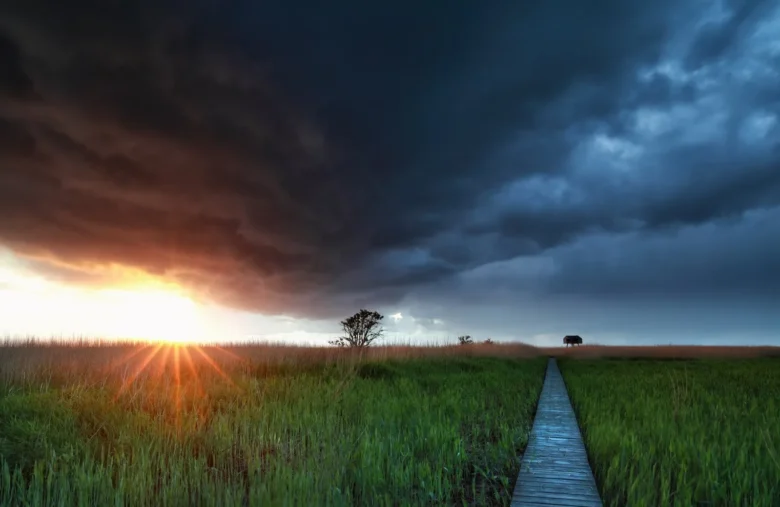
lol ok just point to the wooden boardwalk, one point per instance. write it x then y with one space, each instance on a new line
555 470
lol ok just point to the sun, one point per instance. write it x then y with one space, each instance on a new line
152 314
134 305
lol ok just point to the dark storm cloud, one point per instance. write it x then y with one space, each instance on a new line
721 35
14 81
307 159
15 140
738 254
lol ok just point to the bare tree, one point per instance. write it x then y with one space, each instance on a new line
465 340
360 330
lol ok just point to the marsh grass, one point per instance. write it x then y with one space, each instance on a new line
140 424
670 352
684 432
84 422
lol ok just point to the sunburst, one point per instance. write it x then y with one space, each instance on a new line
167 360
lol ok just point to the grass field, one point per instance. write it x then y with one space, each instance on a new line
145 424
680 432
165 425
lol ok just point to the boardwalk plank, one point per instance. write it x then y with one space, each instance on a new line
557 461
561 501
554 478
546 490
535 504
554 470
532 490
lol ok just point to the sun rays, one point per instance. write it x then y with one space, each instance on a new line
139 369
167 364
213 364
172 370
191 366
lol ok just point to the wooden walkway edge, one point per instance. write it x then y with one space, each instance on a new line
554 470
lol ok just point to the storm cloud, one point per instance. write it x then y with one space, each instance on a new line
307 159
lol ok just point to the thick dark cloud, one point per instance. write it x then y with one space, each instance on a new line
722 34
310 158
14 81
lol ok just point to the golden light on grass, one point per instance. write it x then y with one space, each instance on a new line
166 370
139 368
164 323
210 361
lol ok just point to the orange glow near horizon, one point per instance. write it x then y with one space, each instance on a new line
114 302
145 310
151 314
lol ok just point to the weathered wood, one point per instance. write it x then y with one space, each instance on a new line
554 471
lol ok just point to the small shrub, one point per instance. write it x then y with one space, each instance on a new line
360 330
465 340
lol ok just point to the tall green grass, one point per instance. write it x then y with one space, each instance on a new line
413 432
683 433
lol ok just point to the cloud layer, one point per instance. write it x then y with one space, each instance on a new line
308 160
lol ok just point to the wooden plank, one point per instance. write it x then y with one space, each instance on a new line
558 502
555 501
542 489
537 489
530 503
554 470
555 478
558 471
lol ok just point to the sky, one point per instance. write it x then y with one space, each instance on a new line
512 170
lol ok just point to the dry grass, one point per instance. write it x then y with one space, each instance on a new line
662 351
103 357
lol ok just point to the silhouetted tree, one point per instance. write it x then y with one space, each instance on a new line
360 330
488 342
465 340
